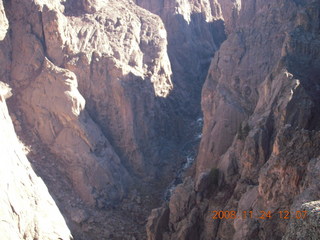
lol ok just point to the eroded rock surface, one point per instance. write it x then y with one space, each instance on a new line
115 55
307 228
87 78
260 137
87 156
195 31
27 209
106 117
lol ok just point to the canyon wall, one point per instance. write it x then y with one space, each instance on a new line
87 78
195 31
27 209
260 141
97 101
104 97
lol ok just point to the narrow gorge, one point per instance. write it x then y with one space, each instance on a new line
146 119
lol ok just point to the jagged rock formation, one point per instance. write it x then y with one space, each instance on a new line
27 209
260 142
95 96
195 32
86 79
119 60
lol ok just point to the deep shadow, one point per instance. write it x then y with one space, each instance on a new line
303 61
73 8
191 47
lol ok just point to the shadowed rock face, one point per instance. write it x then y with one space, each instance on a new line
260 104
92 80
195 31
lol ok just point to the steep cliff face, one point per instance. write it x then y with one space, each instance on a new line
195 31
259 149
106 108
27 209
87 78
118 58
230 93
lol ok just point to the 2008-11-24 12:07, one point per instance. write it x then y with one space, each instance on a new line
264 215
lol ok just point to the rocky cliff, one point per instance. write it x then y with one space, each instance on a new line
112 59
27 209
86 78
259 147
106 95
94 100
195 31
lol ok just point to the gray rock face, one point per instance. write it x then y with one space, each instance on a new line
230 93
27 209
157 223
306 228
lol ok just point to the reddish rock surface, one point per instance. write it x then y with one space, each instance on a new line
106 97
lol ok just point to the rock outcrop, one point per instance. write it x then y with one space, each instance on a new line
27 209
119 60
88 79
305 228
260 137
87 156
106 92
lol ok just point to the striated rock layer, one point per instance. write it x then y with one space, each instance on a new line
260 144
